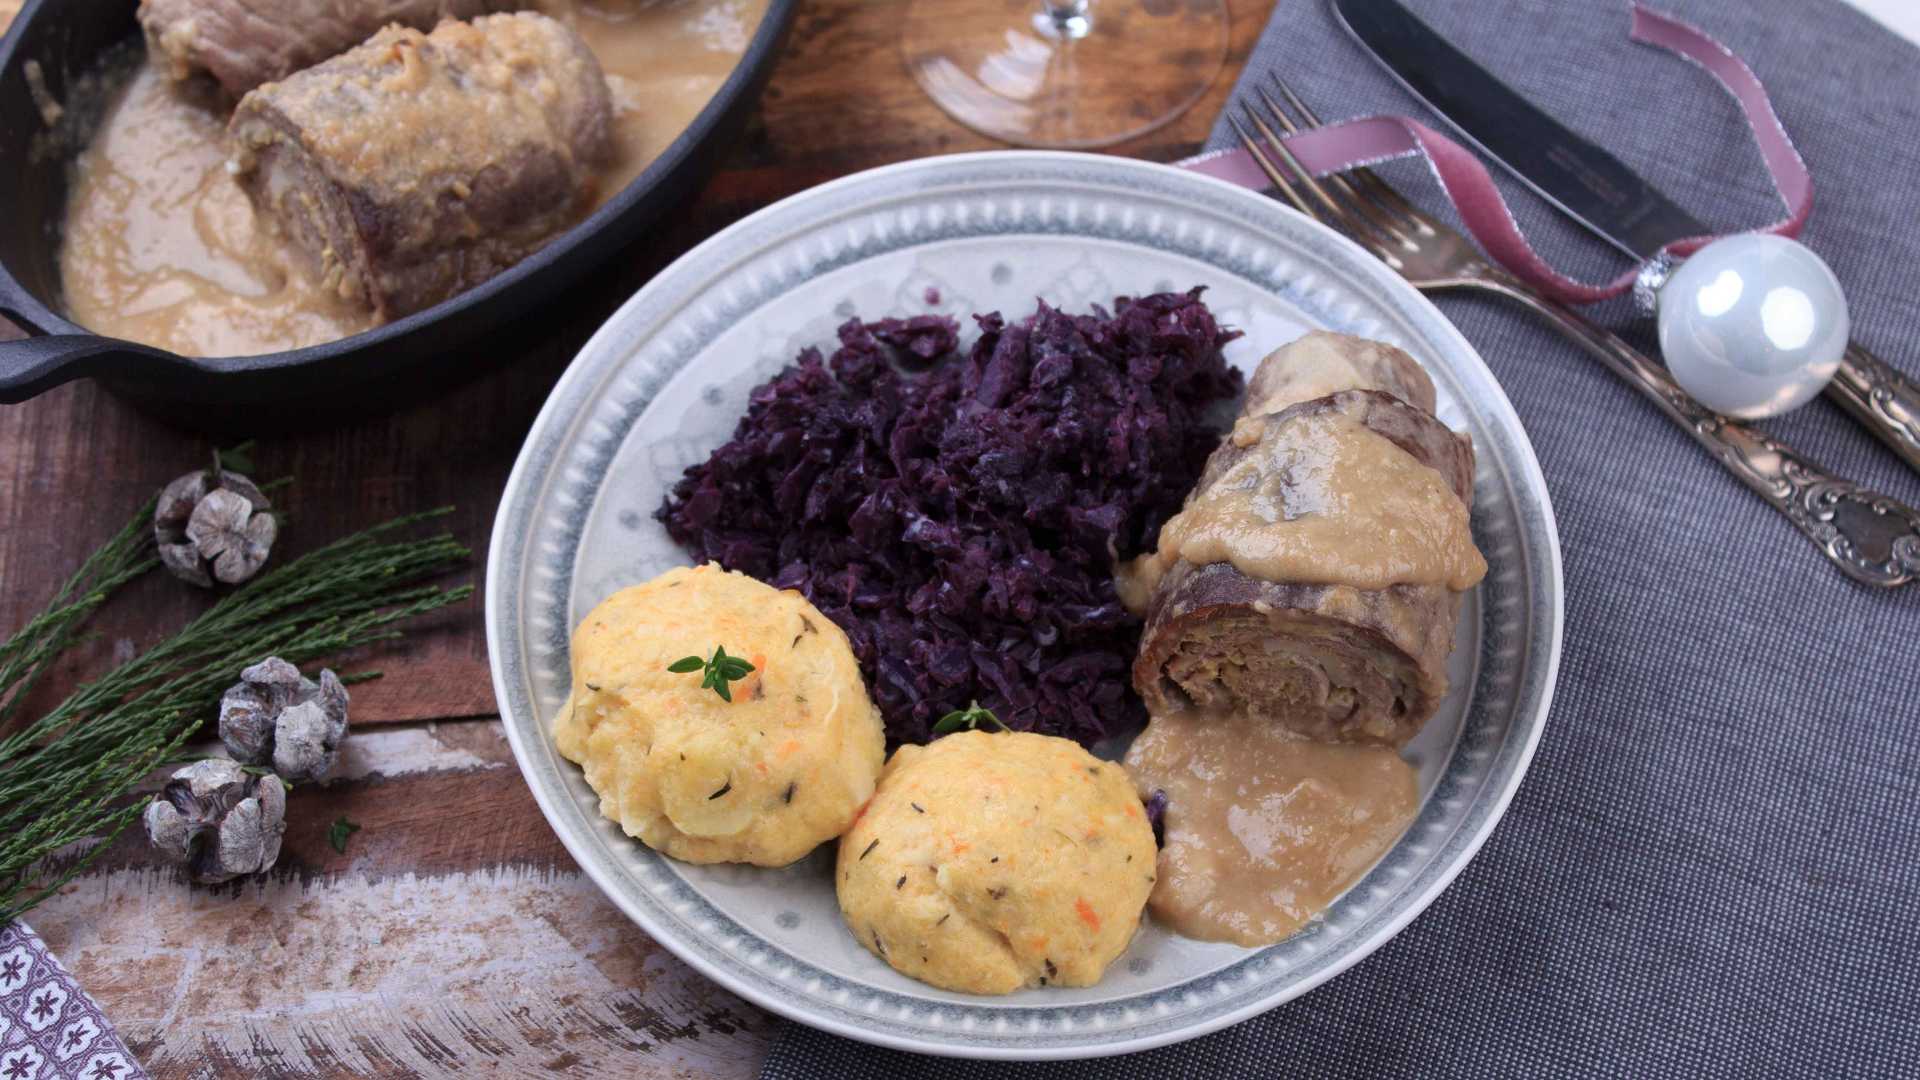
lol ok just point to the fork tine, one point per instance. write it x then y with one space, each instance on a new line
1341 219
1279 147
1369 181
1266 166
1382 217
1280 115
1293 99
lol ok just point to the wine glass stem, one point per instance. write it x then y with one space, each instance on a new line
1070 19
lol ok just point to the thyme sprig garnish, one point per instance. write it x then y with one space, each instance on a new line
969 718
65 776
338 832
718 670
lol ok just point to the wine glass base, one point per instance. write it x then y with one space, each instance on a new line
1010 70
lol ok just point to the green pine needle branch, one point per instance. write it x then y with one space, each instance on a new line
65 776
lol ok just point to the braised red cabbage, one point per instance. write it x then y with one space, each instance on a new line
962 524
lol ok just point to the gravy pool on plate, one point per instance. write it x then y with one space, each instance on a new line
1263 829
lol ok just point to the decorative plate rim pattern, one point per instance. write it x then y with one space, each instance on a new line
549 502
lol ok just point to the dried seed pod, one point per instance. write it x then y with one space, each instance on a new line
219 820
213 525
274 715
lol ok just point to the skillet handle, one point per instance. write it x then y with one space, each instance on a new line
31 366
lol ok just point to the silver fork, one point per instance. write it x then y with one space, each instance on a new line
1872 538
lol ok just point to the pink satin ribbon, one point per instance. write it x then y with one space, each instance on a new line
1368 140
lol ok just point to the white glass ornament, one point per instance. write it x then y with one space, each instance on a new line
1752 325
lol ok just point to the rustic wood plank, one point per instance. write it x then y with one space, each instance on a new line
453 936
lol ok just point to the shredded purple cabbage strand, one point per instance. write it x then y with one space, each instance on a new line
1157 816
962 524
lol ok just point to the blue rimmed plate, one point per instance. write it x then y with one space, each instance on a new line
663 383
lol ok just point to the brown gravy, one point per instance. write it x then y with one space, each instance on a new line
1324 500
161 246
1263 830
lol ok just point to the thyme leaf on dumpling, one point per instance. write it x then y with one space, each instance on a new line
716 671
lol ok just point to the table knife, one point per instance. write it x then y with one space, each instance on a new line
1589 185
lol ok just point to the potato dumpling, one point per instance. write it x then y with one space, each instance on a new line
991 862
762 779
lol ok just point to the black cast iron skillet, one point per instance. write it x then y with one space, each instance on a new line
364 373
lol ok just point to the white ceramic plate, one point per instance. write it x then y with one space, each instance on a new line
663 383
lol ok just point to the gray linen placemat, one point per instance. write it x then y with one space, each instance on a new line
1713 868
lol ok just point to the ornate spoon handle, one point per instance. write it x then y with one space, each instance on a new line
1873 538
1881 398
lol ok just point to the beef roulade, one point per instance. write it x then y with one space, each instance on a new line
1313 577
1322 362
243 43
419 165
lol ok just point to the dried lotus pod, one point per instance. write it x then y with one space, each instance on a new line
275 716
213 525
218 820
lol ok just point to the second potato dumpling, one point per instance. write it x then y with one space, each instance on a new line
990 862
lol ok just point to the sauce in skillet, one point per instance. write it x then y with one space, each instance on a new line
162 247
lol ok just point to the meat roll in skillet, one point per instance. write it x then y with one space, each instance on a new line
417 165
243 43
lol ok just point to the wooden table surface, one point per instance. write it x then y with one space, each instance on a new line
455 935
